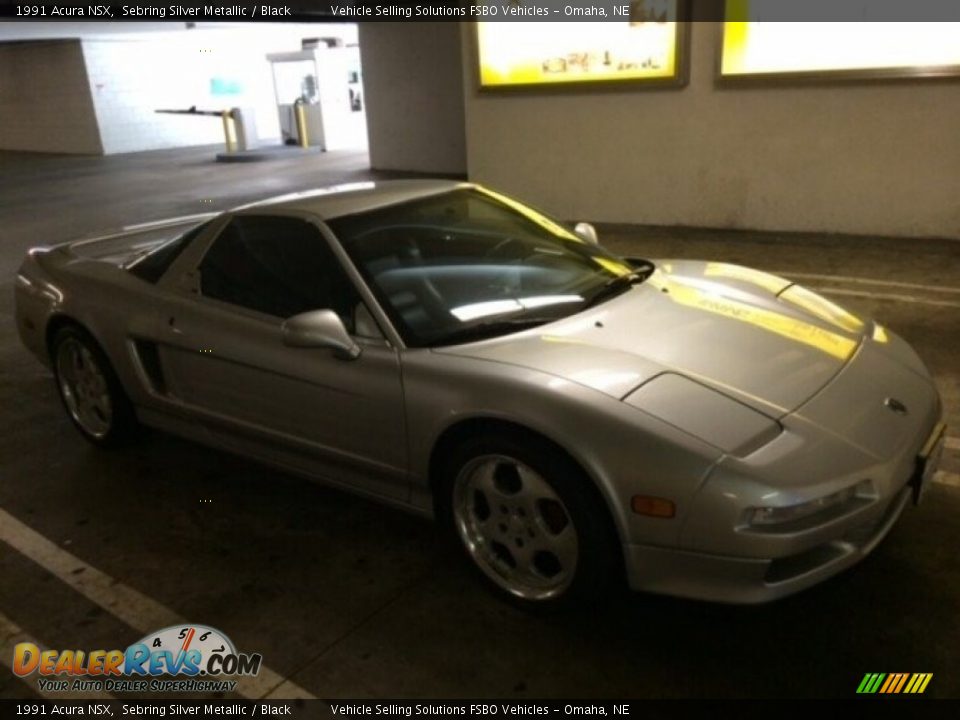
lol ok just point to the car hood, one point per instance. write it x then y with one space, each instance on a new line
756 337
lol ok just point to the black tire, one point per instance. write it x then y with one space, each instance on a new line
597 565
104 429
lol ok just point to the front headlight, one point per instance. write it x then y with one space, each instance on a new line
766 516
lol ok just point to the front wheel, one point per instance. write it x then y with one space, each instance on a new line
90 391
529 521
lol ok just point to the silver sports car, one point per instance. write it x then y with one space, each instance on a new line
573 417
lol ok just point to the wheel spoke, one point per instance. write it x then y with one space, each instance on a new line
87 412
527 507
91 369
534 486
67 366
563 544
524 557
489 479
486 524
483 479
77 362
102 404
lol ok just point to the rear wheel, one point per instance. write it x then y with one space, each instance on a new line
529 521
89 389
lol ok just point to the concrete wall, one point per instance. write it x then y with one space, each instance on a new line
413 87
131 78
45 101
873 158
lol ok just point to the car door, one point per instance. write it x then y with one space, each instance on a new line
223 358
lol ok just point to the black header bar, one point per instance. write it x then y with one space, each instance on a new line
486 709
486 10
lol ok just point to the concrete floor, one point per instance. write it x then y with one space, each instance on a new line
349 599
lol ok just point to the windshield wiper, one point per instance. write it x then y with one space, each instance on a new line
492 328
616 286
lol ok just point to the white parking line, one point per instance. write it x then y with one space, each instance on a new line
10 636
868 281
947 478
885 296
140 612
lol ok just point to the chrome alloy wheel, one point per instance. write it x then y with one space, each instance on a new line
515 527
83 385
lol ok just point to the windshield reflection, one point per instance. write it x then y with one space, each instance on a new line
491 308
469 259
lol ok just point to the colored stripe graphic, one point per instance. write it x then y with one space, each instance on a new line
894 683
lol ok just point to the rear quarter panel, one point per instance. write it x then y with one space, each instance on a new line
111 304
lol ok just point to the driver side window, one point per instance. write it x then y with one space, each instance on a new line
279 266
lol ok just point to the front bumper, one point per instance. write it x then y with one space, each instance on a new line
845 437
797 560
751 580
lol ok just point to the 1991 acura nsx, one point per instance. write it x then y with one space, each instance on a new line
707 430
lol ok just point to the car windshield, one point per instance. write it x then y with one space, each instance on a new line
471 264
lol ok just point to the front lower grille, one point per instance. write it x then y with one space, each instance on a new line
789 568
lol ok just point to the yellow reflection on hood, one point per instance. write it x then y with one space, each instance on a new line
563 339
822 308
768 282
831 343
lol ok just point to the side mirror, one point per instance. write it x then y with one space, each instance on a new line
320 329
587 232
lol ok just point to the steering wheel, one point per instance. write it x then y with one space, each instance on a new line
426 291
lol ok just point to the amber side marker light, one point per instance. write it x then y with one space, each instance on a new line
653 506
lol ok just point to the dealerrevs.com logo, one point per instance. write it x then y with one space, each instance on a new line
204 655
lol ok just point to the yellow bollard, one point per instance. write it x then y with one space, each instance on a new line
229 133
301 125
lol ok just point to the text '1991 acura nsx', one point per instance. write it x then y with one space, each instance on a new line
573 417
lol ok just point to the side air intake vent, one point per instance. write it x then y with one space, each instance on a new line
149 359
